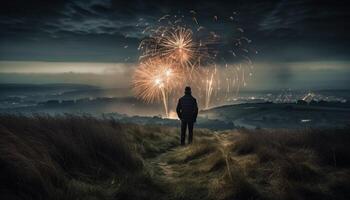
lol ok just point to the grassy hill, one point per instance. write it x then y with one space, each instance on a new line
80 157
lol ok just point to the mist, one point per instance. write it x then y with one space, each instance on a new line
266 75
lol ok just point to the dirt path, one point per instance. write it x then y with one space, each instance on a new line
183 175
162 169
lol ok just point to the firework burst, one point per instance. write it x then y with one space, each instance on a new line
175 44
178 52
154 80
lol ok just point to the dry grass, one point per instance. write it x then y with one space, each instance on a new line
297 164
69 157
80 157
264 164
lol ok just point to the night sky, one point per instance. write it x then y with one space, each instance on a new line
99 30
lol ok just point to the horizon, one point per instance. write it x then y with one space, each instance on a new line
267 76
228 52
297 44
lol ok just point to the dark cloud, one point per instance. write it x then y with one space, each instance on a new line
109 30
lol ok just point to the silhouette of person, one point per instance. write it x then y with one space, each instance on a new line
187 111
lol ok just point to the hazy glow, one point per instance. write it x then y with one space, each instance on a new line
61 67
268 75
154 80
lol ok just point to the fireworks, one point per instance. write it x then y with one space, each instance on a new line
209 84
154 80
175 44
179 51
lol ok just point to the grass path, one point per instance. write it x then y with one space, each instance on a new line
81 157
239 165
188 171
162 169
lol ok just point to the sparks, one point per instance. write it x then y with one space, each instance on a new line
174 54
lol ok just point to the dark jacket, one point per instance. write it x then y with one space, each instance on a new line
187 108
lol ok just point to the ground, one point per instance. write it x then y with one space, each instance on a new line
178 175
233 165
81 157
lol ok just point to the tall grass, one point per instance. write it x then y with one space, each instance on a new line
264 164
297 164
81 157
66 157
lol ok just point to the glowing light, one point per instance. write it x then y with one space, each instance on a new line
179 52
158 81
153 81
168 72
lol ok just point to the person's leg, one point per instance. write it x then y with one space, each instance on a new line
190 132
183 132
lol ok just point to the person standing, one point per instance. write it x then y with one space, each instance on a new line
187 111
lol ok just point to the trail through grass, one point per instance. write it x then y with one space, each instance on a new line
195 171
244 164
80 157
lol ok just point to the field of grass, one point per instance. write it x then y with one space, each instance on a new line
80 157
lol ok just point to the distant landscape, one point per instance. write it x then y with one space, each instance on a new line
259 109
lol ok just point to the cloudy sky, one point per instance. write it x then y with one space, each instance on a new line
109 31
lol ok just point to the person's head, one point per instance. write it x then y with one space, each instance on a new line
188 90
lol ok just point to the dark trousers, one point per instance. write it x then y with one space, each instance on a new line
184 125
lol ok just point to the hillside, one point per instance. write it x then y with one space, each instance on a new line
80 157
282 115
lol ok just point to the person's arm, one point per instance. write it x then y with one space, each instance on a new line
179 109
195 110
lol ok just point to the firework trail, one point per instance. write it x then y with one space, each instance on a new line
154 80
179 51
209 87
